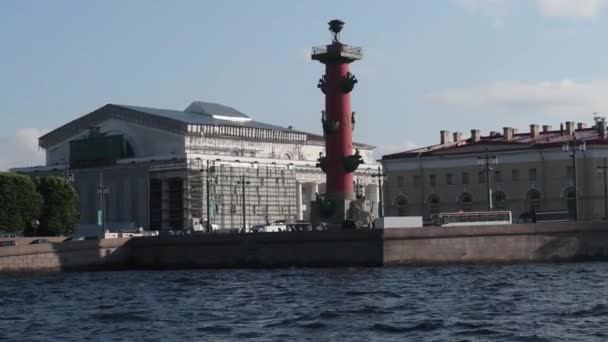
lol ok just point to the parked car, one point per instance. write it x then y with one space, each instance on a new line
300 226
8 243
73 238
39 241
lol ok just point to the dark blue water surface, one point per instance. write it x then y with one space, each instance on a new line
548 302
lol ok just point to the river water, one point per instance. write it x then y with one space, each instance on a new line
540 302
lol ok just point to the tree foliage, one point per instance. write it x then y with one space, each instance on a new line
20 204
60 208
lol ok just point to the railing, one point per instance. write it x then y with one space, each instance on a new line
351 50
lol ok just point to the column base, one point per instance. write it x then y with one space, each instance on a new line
332 211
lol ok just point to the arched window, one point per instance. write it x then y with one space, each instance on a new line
499 200
402 205
434 204
533 200
465 201
570 196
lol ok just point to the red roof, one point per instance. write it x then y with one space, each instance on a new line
520 141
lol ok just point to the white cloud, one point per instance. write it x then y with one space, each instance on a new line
389 149
21 149
571 8
554 8
561 97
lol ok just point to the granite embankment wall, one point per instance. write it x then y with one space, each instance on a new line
73 255
305 249
406 246
565 241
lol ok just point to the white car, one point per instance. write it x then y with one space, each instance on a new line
277 226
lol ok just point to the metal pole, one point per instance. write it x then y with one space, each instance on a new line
380 200
380 193
605 191
489 191
102 198
208 200
244 208
576 199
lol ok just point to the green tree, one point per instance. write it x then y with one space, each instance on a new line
20 204
60 208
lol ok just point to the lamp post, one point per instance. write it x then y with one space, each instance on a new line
243 183
68 176
486 161
35 224
604 170
572 147
380 175
102 191
209 170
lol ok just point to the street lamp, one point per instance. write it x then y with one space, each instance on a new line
35 224
102 191
380 175
243 183
572 147
487 161
68 176
209 170
604 170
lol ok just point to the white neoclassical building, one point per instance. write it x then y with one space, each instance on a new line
161 169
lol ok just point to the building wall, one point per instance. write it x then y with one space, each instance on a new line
146 141
126 201
307 151
270 193
167 154
552 181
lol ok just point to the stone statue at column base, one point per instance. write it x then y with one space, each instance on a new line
356 215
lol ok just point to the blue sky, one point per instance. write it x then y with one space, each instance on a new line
428 65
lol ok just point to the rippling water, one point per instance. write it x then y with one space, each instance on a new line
549 302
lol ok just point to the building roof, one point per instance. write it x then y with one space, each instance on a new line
197 113
216 110
547 138
194 118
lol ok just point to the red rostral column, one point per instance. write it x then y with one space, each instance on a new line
338 120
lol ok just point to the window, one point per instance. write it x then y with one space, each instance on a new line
570 196
401 205
481 177
498 176
465 178
233 209
570 172
400 181
515 175
434 204
499 200
417 180
465 201
532 174
533 200
433 180
448 178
